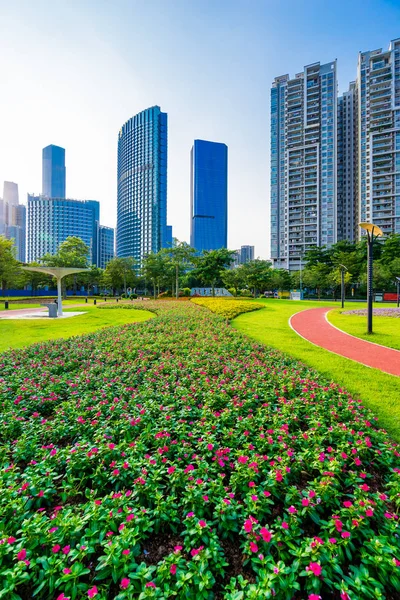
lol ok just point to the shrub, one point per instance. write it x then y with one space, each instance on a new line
246 293
226 307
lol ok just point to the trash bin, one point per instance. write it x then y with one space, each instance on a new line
52 309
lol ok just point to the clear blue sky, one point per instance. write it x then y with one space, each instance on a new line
73 71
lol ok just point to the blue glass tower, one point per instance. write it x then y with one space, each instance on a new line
142 184
106 246
208 196
53 172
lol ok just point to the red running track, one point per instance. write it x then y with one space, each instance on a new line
313 326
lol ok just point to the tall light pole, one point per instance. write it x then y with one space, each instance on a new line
373 232
398 291
342 270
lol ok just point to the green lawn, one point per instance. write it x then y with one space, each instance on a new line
386 330
20 333
378 391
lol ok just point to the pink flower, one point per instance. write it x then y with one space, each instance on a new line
332 540
243 459
248 526
254 498
396 562
202 524
347 504
196 551
62 597
126 552
345 534
190 514
21 554
305 502
151 584
67 571
177 549
285 525
205 498
66 549
253 547
125 583
115 472
53 529
172 569
170 470
315 568
56 548
265 534
344 596
292 510
278 476
92 592
252 484
369 512
314 597
11 540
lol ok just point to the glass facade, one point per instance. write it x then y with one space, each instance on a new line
209 196
142 184
52 220
13 219
106 246
53 172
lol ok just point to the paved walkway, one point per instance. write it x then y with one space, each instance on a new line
312 325
19 312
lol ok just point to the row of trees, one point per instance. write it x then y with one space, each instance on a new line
170 270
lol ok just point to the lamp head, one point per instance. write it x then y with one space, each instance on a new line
372 229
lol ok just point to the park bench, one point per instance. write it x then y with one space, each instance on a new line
52 309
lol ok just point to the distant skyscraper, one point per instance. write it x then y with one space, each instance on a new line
52 220
142 184
168 237
13 219
303 163
106 246
246 254
208 196
378 90
53 172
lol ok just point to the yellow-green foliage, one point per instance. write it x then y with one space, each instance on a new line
227 308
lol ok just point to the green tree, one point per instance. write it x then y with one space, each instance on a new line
391 248
234 278
34 279
280 280
181 257
73 252
9 265
258 275
120 273
211 264
316 277
155 269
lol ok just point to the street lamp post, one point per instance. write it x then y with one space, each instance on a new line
398 291
373 232
342 270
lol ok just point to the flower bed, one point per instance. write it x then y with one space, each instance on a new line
227 308
177 459
378 312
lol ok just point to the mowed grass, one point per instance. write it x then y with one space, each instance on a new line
19 333
378 391
386 330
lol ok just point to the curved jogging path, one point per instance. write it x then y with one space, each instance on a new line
313 326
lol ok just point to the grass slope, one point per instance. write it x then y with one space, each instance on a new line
378 391
20 333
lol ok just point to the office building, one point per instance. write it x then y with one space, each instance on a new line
106 246
246 254
208 196
53 172
52 220
169 241
142 184
13 218
378 90
303 163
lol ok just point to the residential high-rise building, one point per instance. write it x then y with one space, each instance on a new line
303 163
106 246
13 218
378 90
208 195
347 165
246 254
142 184
53 172
52 220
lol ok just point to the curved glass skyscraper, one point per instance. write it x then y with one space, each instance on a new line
142 184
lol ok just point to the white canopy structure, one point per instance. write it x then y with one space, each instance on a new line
58 273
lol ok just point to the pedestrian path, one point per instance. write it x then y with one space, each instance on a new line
313 326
